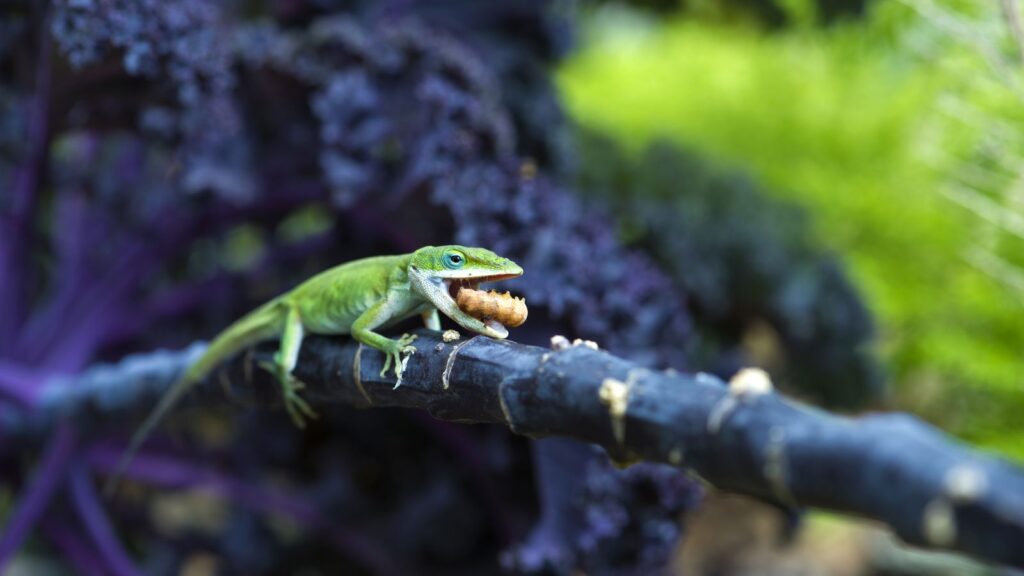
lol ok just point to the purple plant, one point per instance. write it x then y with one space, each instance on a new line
601 519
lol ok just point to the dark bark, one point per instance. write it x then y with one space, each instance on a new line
741 437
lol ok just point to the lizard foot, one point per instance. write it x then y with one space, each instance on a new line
399 354
298 409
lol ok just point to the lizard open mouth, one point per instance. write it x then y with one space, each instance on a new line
495 310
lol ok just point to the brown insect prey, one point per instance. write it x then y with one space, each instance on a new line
504 308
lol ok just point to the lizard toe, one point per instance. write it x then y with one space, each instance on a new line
294 414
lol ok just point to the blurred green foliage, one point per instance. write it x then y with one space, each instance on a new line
900 133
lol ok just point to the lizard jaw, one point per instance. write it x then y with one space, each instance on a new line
452 286
442 290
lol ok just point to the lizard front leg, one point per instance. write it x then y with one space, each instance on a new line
362 330
284 362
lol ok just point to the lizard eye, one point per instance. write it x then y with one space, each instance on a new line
453 260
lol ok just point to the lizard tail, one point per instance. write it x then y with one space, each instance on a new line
261 324
169 399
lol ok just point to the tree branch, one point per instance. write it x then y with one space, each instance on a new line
741 437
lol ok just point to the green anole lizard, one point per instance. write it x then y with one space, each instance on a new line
355 298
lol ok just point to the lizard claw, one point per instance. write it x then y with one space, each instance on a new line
401 362
298 409
399 354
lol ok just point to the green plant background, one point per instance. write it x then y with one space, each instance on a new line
900 133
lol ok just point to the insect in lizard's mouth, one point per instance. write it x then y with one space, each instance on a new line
495 310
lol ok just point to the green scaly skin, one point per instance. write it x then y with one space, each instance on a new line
355 298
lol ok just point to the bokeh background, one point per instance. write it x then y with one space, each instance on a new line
891 125
828 189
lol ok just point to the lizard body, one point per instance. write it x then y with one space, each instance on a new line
356 298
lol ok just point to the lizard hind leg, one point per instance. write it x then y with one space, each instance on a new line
284 362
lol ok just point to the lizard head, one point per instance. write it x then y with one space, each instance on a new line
437 273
